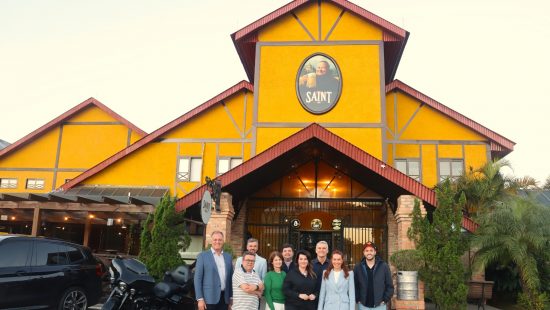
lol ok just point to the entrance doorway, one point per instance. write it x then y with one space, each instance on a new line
309 239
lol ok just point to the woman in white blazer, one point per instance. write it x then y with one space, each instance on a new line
337 288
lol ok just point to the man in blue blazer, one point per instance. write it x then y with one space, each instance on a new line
213 273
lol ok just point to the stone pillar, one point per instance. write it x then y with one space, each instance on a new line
221 220
403 218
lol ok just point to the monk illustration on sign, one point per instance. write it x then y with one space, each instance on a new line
319 84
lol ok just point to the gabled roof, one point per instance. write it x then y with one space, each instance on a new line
374 169
243 85
65 116
394 37
378 170
500 145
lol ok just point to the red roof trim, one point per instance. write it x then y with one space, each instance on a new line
56 121
379 21
469 224
505 143
157 133
316 131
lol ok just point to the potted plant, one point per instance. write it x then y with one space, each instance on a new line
407 262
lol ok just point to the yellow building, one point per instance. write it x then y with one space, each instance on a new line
32 168
323 143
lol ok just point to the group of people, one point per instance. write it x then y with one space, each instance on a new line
290 282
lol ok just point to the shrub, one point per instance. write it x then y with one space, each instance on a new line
164 235
407 260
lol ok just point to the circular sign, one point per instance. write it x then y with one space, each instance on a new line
318 83
316 224
336 224
295 223
206 207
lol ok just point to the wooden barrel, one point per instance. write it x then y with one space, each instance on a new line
407 285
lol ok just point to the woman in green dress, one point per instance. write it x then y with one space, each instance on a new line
273 282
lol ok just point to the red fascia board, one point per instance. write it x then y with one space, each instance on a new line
157 133
377 20
507 144
316 131
469 224
58 120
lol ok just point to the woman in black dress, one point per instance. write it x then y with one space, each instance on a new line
300 284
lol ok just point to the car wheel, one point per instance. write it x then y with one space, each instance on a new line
73 298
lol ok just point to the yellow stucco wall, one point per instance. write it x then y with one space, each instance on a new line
361 91
87 138
440 137
429 165
221 131
249 123
306 25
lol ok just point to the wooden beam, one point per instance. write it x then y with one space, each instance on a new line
87 230
35 222
71 206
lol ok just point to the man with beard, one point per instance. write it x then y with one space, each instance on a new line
288 254
373 282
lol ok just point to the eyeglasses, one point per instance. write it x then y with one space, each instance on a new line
249 260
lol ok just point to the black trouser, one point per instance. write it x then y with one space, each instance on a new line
221 305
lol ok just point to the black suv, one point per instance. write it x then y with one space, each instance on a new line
40 273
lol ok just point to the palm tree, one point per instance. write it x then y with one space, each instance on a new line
517 232
524 183
483 187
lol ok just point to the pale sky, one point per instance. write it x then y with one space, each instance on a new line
152 61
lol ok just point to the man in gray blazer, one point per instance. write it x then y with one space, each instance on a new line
213 273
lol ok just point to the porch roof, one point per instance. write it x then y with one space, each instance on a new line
314 141
311 142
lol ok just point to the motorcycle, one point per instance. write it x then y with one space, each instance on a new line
133 288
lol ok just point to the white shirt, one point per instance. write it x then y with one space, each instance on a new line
336 275
220 264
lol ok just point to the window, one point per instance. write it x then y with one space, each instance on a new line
8 183
14 253
228 163
190 169
49 254
74 254
410 167
35 184
450 168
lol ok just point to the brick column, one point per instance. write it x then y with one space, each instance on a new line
221 220
403 217
237 232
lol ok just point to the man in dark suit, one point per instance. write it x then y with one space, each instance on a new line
288 255
213 273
